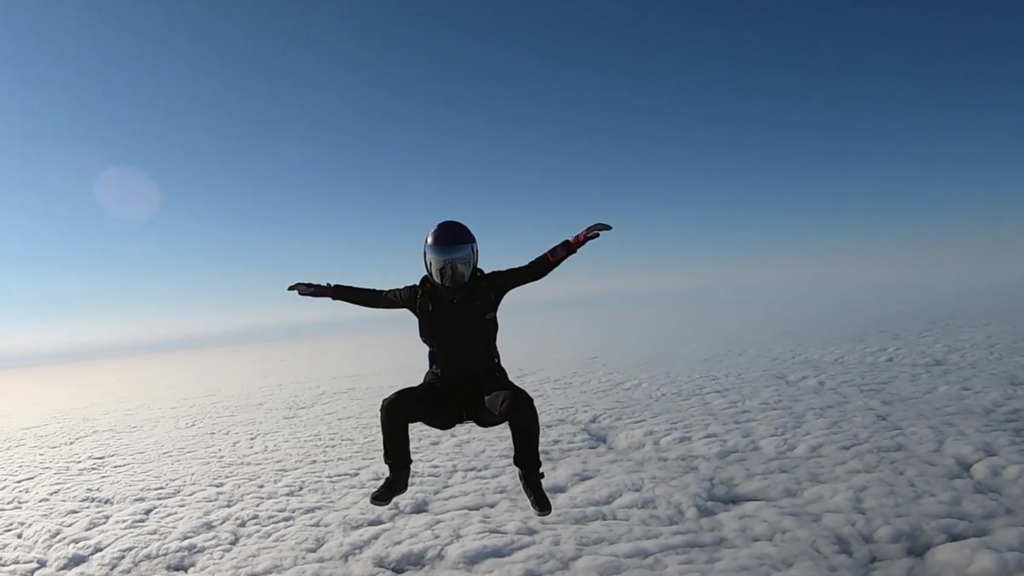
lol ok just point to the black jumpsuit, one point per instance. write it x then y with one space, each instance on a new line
465 381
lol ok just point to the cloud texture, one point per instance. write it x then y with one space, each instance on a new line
894 454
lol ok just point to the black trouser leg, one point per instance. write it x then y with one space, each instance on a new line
510 403
427 403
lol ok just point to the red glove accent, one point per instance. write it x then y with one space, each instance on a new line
561 251
569 247
593 232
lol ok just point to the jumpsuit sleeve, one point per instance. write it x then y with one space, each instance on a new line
504 281
392 299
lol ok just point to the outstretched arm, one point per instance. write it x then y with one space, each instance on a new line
504 281
394 298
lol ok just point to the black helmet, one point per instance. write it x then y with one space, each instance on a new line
450 255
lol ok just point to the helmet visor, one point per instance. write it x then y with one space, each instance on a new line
450 266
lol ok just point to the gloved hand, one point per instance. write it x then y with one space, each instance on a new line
309 289
592 232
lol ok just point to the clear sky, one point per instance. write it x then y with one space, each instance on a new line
167 169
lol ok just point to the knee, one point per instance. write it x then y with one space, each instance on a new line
521 403
396 405
524 399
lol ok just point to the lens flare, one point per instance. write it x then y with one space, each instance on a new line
128 194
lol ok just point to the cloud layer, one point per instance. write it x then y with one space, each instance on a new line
897 453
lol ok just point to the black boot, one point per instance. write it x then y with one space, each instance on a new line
531 482
395 484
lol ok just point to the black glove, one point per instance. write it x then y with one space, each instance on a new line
310 289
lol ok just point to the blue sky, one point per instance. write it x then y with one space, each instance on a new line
168 168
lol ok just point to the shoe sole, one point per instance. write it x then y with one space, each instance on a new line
540 513
385 502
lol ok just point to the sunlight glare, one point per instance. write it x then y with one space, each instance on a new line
128 194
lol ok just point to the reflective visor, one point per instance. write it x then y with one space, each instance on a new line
450 266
